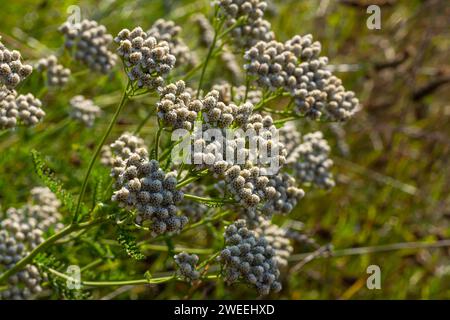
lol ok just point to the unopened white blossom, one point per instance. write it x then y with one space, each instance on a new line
277 238
12 71
19 109
121 149
187 265
147 60
142 186
89 42
56 74
297 68
84 110
250 13
314 165
20 232
250 258
167 30
177 108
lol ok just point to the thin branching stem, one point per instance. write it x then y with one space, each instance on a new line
47 243
98 150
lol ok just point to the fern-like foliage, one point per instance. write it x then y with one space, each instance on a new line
128 242
48 178
45 263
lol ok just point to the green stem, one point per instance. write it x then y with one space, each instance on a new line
187 181
247 87
162 248
113 283
158 137
143 122
207 220
284 120
97 152
207 261
208 57
44 245
91 265
203 199
263 102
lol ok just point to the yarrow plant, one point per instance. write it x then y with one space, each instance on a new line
201 184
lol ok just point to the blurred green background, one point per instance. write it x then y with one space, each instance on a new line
391 161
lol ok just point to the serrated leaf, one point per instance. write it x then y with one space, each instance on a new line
128 242
148 275
51 182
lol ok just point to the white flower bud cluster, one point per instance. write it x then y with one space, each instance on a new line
228 94
187 265
206 30
12 71
17 239
84 110
291 139
8 108
250 258
194 210
176 106
314 165
254 28
21 232
43 212
277 238
147 60
25 109
249 183
286 196
220 115
296 67
167 30
142 186
90 42
121 149
57 75
29 108
267 137
248 35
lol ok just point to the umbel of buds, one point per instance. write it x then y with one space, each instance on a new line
141 185
147 60
8 108
89 42
22 109
166 30
84 110
187 265
253 26
12 71
249 258
296 67
313 165
276 236
21 232
57 75
122 148
176 106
